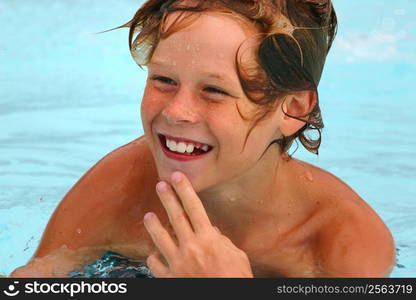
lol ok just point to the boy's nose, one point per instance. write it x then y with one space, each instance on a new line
181 110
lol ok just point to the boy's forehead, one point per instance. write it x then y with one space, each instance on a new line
212 32
200 53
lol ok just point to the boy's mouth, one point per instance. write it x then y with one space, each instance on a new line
180 147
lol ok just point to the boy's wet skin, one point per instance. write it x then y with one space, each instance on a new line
325 235
275 216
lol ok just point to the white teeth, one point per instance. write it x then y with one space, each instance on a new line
171 145
190 148
182 147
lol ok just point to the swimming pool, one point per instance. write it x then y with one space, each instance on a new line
68 97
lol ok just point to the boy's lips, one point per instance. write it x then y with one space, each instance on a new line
182 149
185 140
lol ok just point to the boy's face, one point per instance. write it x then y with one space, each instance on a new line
193 93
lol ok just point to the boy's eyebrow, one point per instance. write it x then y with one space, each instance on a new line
221 76
159 63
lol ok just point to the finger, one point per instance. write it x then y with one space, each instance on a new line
156 266
160 236
190 201
174 209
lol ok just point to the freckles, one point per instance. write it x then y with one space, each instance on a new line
148 113
152 103
150 94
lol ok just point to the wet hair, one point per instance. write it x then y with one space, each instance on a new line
294 38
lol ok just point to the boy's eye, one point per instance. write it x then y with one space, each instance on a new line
215 90
163 79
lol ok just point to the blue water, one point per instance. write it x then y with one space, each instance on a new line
113 265
68 97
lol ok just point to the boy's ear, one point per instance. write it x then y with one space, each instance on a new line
297 104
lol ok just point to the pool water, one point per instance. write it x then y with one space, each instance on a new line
113 265
69 96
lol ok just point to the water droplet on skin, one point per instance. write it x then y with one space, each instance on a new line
78 230
309 176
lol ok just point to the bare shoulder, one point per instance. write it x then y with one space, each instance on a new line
96 208
101 212
132 160
352 240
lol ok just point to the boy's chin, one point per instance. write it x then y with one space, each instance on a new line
197 180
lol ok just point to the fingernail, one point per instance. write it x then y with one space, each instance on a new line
176 177
148 216
161 186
